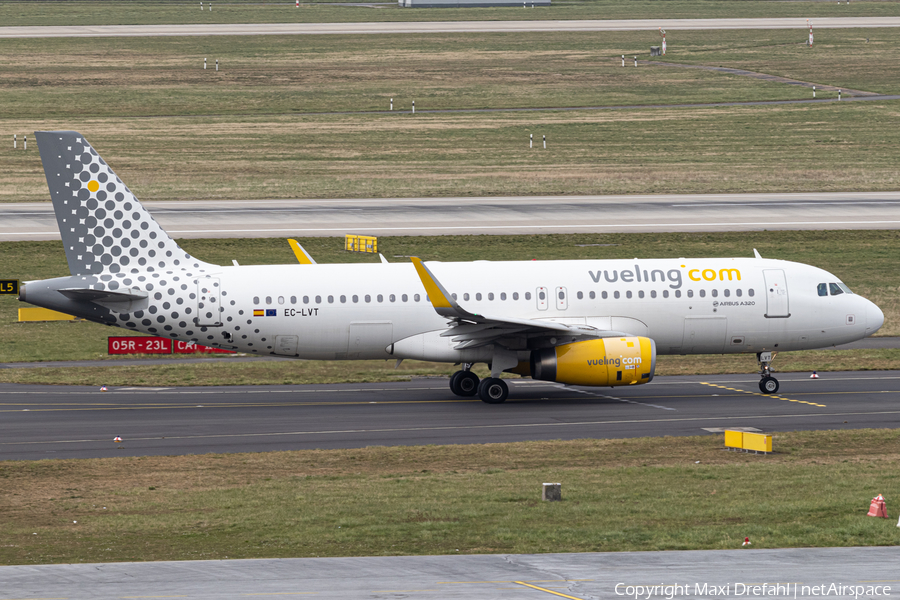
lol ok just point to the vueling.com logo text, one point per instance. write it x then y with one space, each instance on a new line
615 362
712 275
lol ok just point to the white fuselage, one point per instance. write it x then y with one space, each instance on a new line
687 306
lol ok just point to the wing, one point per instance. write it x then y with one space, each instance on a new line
471 330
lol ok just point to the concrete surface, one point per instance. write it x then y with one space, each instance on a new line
698 574
491 215
440 27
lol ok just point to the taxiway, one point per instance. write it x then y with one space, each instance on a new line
79 422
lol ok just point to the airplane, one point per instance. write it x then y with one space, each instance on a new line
577 322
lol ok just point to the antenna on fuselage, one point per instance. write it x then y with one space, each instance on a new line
756 253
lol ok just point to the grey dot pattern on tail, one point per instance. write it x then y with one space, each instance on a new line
112 242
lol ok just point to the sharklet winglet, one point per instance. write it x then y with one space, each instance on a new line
300 252
441 300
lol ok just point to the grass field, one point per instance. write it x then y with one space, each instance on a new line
175 131
638 494
866 260
132 12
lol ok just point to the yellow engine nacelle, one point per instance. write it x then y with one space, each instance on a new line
608 361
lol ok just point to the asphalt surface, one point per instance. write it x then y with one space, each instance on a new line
800 573
439 27
79 422
492 215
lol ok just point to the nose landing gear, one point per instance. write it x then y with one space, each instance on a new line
767 383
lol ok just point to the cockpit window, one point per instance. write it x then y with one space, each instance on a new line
823 289
845 288
835 289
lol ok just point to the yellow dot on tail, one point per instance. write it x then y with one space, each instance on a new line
93 186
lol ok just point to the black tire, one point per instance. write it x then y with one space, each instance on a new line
768 385
493 390
467 384
454 383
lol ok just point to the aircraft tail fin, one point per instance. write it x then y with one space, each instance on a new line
104 227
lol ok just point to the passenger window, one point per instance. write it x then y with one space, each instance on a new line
750 292
653 293
490 295
380 298
330 299
355 298
835 289
703 293
616 295
628 294
592 295
293 299
368 298
343 299
392 298
305 299
280 299
738 292
405 298
318 299
256 299
715 293
580 296
465 296
528 295
690 293
665 293
542 296
503 295
515 295
418 297
604 295
641 294
823 289
727 293
678 293
478 296
268 299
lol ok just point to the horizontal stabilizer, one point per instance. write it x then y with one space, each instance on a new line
125 295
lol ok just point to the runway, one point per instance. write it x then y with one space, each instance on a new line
439 27
492 215
512 576
79 422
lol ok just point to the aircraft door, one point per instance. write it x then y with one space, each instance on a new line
209 306
776 294
562 299
541 296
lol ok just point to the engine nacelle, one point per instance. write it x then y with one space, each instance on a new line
607 361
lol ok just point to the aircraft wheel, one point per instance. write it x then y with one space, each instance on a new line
467 384
768 385
493 390
454 383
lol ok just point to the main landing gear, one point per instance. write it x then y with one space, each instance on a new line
465 383
767 383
